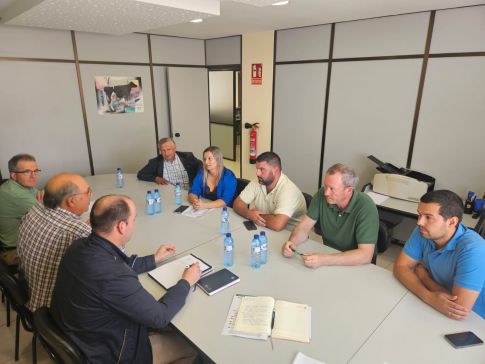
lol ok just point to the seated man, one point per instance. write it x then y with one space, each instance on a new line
348 219
17 196
443 262
171 166
99 302
46 232
273 198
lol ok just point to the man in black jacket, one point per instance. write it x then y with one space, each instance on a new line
99 302
171 166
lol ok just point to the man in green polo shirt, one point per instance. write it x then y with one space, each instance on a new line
348 219
17 196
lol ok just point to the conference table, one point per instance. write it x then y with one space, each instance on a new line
360 314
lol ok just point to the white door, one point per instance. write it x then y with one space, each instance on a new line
189 108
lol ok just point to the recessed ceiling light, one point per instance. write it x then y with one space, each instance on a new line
197 21
279 3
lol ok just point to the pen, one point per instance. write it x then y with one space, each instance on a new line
295 251
187 267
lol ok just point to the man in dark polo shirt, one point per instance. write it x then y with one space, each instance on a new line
348 219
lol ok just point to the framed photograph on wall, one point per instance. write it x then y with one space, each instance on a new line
115 94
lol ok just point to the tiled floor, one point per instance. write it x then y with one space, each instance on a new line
7 334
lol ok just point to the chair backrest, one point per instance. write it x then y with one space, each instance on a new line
60 347
241 183
17 296
308 199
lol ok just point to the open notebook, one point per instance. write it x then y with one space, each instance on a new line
169 274
262 317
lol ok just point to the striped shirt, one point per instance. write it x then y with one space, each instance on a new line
44 236
174 172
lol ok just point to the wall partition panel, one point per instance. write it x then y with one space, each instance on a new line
223 51
306 43
112 48
161 100
371 110
41 115
459 30
450 135
175 50
35 43
388 36
119 140
299 97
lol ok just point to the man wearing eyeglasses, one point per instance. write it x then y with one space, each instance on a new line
17 195
47 231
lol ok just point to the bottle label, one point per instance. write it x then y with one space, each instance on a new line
264 247
228 248
256 250
151 201
158 200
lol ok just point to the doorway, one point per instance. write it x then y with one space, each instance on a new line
225 115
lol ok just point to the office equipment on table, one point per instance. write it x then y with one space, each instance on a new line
262 317
217 281
170 273
392 169
399 186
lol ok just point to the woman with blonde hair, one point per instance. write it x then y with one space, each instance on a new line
213 182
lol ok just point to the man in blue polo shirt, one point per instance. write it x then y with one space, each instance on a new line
443 261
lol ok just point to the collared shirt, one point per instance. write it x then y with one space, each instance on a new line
285 198
460 262
344 230
15 201
174 172
44 236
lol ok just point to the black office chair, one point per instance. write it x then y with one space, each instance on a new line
241 183
3 180
308 200
480 228
17 296
59 347
5 269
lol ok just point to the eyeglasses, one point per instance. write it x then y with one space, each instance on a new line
28 171
88 192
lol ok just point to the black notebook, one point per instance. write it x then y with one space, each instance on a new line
217 281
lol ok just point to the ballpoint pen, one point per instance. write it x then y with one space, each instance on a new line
295 251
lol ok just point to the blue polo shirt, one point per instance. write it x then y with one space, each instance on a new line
460 262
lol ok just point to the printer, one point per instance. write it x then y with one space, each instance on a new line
400 183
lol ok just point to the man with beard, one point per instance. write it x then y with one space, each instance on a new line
348 219
443 261
271 200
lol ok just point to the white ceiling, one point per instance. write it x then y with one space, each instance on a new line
236 16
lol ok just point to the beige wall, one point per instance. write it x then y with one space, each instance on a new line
257 99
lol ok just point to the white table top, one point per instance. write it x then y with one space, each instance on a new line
413 333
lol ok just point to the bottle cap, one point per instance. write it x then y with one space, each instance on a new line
228 235
155 190
224 209
256 236
262 233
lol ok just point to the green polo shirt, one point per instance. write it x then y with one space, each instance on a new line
15 201
344 230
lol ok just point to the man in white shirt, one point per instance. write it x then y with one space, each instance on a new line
273 199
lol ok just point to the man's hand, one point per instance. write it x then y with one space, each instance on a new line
40 196
313 260
445 303
161 181
288 249
163 252
255 216
192 274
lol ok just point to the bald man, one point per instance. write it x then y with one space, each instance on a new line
46 232
99 302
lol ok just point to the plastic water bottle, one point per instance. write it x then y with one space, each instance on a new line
178 194
224 221
150 201
263 243
255 252
157 207
119 178
228 250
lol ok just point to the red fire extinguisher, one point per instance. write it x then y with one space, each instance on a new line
253 137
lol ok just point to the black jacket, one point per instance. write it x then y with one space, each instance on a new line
154 168
100 304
